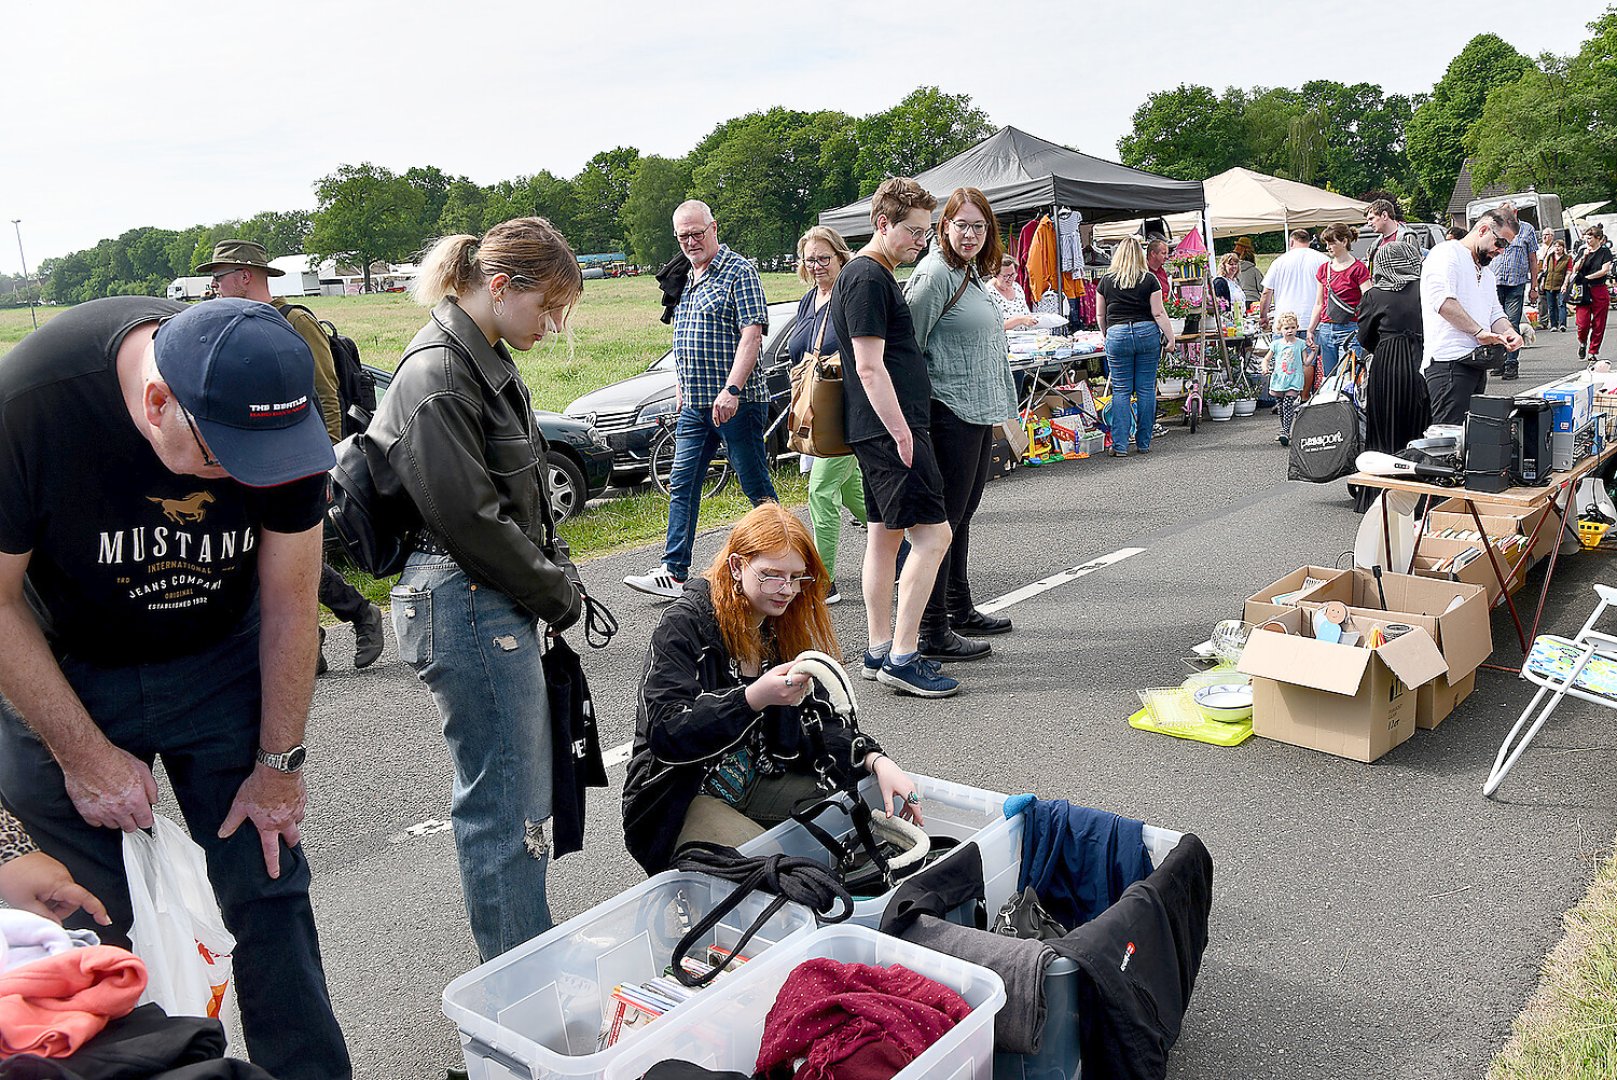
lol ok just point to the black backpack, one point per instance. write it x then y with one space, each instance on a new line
356 387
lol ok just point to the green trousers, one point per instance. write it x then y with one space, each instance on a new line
834 482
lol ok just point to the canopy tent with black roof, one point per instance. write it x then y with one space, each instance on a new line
1022 175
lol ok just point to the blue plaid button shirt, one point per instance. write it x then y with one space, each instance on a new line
1510 266
707 329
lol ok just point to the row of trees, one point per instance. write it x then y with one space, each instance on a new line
1551 123
765 174
1547 123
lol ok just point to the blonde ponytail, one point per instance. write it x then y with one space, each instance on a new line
448 268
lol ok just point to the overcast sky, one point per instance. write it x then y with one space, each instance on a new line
119 118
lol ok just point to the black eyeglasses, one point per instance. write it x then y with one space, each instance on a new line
217 278
208 460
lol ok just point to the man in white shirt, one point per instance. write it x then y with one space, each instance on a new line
1291 283
1460 311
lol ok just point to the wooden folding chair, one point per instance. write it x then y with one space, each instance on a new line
1584 667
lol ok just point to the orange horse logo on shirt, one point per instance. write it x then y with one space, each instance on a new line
187 509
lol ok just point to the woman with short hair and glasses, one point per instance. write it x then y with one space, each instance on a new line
720 753
962 334
834 482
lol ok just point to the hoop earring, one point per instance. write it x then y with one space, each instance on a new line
735 585
499 305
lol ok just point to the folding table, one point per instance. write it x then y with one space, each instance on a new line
1555 498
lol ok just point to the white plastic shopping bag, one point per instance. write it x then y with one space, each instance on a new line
177 931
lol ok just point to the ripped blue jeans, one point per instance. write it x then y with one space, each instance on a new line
477 650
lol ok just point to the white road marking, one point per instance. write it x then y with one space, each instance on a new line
1026 592
619 755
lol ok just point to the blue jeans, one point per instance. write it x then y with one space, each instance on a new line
1132 353
1513 298
696 440
200 714
478 652
1331 338
1554 304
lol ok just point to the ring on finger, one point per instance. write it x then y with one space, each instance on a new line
913 798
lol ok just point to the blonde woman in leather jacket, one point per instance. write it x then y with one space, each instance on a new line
456 435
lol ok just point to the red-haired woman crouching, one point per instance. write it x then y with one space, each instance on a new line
720 753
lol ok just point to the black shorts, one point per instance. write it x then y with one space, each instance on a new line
896 495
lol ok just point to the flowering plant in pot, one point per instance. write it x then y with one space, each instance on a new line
1171 380
1221 402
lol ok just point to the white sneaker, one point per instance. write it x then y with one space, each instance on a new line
834 596
659 582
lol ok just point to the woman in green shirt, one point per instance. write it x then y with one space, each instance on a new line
962 333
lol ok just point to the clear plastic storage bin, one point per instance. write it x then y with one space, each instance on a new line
949 809
725 1030
537 1010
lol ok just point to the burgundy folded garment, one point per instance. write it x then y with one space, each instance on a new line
854 1021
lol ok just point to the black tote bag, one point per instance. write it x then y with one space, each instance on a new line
575 745
1324 441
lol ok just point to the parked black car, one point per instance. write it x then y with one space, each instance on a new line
626 412
580 460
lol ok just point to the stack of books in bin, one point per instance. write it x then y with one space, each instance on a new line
638 1004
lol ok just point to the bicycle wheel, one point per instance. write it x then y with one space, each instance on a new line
662 466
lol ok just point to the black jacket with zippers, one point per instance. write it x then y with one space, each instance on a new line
692 712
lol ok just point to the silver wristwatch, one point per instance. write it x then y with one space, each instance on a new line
289 762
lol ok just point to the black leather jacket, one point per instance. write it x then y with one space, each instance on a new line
455 432
692 712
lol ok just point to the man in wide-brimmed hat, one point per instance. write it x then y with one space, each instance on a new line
242 268
1248 276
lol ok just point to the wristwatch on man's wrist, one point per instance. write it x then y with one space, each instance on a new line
289 762
733 390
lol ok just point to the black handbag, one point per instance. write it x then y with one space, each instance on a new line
1578 295
1324 441
1024 917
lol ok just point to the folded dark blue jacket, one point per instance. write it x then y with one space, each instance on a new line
1079 860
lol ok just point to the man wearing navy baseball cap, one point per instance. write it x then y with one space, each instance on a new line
162 484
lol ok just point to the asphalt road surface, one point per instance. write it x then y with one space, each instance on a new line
1376 920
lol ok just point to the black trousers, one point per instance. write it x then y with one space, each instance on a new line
345 601
964 452
1451 385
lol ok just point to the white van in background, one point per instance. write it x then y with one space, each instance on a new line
1541 208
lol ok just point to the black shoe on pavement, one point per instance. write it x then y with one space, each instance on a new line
978 624
953 648
368 637
1582 350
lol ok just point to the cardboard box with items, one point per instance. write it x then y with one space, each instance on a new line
1279 596
1353 701
1455 615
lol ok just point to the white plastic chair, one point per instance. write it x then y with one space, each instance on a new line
1584 667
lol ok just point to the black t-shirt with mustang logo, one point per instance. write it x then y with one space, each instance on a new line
129 562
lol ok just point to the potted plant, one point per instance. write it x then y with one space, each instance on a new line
1178 309
1171 380
1221 402
1247 403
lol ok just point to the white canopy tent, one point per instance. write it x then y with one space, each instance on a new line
1242 202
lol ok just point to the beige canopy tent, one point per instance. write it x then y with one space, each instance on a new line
1242 202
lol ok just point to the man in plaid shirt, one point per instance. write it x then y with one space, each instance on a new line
720 391
1516 270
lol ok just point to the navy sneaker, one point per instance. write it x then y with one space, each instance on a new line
920 677
873 662
833 596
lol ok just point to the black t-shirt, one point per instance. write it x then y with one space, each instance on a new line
130 562
1128 305
1600 256
867 302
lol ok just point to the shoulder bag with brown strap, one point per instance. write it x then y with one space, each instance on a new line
815 425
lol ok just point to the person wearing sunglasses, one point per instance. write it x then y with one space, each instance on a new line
720 753
1461 315
162 487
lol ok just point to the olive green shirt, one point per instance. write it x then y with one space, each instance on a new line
965 348
325 368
